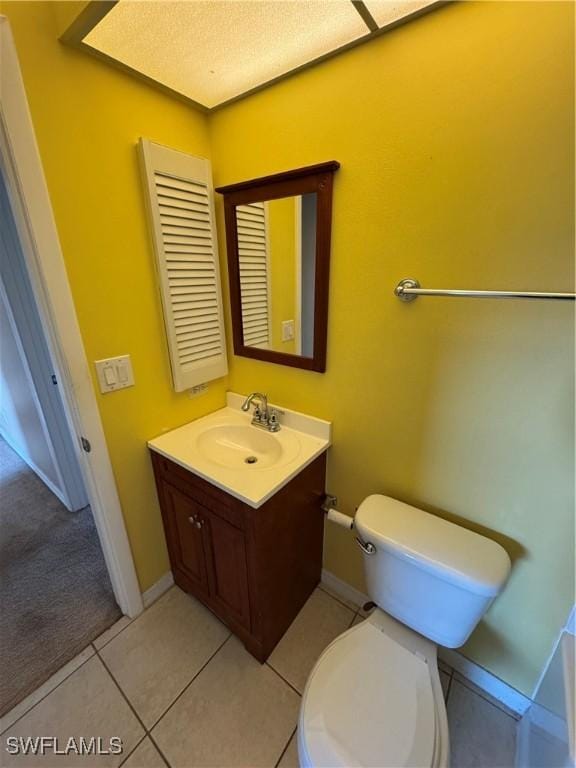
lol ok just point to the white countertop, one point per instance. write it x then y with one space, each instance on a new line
301 438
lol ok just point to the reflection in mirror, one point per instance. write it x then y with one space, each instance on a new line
278 231
277 261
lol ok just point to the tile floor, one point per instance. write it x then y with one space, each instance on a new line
181 691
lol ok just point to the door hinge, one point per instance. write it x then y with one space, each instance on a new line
54 379
86 444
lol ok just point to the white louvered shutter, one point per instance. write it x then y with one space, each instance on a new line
181 206
252 232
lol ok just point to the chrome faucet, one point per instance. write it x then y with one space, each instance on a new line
263 416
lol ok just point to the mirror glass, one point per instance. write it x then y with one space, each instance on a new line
278 231
277 262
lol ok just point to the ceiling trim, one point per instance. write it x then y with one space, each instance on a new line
81 46
366 16
86 20
96 10
343 48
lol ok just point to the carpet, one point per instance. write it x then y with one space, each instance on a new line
55 592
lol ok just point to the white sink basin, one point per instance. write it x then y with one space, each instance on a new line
240 447
248 462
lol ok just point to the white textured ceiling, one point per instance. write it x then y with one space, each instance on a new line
215 50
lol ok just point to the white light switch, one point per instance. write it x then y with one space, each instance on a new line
287 330
114 373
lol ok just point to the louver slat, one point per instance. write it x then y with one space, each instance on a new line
254 277
182 213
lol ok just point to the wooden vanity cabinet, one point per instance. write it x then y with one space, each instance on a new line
254 568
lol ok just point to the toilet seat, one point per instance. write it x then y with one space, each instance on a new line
372 700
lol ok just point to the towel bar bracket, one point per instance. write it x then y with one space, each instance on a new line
400 289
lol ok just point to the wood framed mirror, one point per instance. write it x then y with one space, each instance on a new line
278 245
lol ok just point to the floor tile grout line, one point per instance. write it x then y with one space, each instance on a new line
124 696
160 752
132 621
156 599
95 652
183 691
337 599
118 633
494 702
49 692
129 755
283 678
137 716
450 678
285 748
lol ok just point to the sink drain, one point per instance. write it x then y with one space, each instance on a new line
250 460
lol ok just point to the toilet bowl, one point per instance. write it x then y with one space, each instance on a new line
374 697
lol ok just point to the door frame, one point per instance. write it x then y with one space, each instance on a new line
29 197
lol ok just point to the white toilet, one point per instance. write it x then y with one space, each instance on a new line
374 697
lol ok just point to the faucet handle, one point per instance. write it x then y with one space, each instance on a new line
259 415
273 420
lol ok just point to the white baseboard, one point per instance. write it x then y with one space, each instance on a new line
542 735
511 698
343 589
570 627
157 590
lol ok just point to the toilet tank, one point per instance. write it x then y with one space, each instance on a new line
432 575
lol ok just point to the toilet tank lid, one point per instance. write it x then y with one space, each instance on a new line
449 551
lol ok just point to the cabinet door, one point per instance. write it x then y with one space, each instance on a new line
186 537
228 572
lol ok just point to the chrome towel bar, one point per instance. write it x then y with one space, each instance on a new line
409 289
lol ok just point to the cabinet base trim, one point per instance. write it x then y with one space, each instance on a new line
157 590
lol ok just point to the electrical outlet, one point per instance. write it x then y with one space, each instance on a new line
287 330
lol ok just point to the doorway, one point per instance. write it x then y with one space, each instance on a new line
55 589
37 237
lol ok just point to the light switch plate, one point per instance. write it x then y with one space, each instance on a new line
114 373
287 330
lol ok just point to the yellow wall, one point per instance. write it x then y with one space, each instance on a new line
88 118
66 13
281 244
454 135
